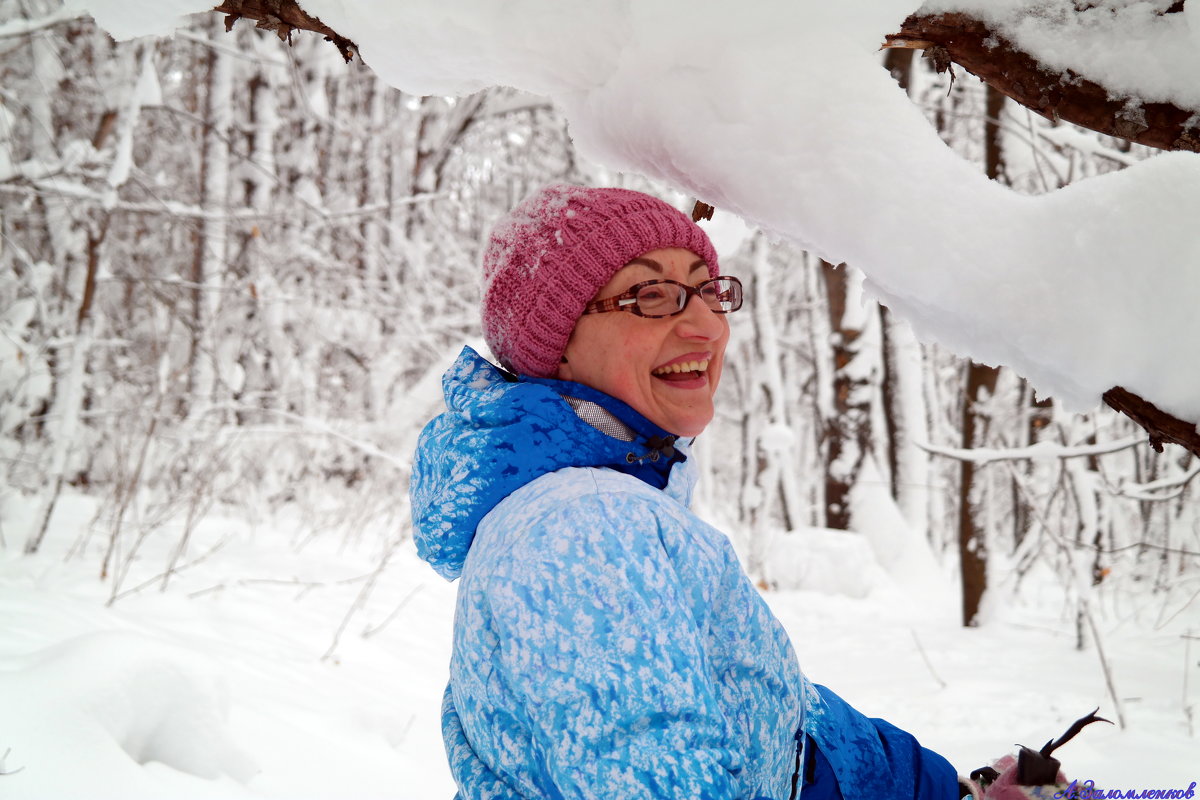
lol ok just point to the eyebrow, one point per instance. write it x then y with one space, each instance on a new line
657 267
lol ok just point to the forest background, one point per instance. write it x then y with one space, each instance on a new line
233 271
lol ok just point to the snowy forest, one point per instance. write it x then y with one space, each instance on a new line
233 268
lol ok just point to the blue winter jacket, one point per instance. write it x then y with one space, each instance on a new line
607 643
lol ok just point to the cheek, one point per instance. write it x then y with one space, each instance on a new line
609 357
721 345
629 357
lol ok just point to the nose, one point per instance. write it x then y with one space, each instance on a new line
700 322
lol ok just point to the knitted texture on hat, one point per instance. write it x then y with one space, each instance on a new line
549 257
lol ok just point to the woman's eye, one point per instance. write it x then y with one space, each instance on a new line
652 293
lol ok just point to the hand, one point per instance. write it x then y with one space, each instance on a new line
1030 775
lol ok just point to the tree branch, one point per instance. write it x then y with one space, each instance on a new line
965 41
1161 426
24 27
1034 452
284 16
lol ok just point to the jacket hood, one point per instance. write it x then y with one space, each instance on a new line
499 433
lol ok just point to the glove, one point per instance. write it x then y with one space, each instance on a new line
1030 775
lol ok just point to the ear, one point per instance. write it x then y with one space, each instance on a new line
564 372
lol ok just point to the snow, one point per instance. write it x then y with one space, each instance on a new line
780 113
217 689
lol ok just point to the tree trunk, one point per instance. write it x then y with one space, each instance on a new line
972 533
69 390
848 431
209 259
906 418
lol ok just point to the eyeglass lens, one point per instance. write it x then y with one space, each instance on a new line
664 299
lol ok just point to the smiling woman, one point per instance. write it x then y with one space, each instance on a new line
666 366
606 642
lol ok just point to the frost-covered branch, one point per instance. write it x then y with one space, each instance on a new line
1053 93
23 27
230 50
1039 451
1162 489
313 426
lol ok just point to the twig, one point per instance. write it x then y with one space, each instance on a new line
1179 611
305 586
925 657
1172 487
894 42
24 27
127 492
361 599
1038 155
370 631
1108 678
1041 450
1084 606
176 570
4 758
315 426
1187 665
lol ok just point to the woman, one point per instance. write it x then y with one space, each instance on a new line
607 643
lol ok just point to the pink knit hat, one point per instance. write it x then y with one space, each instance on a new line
549 257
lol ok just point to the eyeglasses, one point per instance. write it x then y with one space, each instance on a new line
666 298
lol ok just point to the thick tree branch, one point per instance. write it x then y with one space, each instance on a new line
1161 426
965 41
284 16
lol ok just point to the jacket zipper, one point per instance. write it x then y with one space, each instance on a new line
796 774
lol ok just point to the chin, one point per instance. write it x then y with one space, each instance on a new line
693 426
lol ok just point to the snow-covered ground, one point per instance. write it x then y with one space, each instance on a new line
216 688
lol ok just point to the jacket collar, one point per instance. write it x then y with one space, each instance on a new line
500 432
655 452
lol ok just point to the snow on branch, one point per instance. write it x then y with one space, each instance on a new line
23 27
1039 451
1161 489
1055 94
1033 299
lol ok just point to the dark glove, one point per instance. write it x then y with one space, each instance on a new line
1030 775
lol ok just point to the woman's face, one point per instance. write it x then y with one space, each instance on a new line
631 357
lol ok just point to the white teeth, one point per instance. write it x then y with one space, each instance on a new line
684 366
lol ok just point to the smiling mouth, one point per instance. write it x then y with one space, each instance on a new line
683 371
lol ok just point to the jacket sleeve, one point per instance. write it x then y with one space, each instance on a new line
475 780
849 756
602 658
